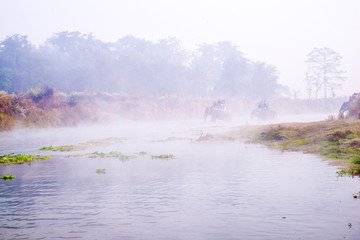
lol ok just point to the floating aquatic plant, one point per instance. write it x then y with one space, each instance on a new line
357 195
7 177
114 154
21 158
82 146
77 155
342 173
100 171
67 148
104 141
163 156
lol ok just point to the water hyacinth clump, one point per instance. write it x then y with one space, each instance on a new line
100 171
127 157
7 177
164 156
113 154
62 148
21 158
105 141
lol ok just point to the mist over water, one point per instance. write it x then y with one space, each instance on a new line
210 190
147 96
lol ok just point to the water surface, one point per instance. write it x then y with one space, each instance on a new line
215 190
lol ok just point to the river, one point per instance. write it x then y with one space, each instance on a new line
209 190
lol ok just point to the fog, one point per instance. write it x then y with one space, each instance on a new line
82 77
211 189
280 33
142 106
109 61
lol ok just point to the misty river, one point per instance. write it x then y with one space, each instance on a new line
209 190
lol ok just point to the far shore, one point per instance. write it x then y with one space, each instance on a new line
337 140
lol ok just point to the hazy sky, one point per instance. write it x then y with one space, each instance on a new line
279 32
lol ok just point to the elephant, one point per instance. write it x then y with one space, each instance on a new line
345 108
348 108
217 112
263 114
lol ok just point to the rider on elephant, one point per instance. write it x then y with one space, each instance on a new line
263 105
219 105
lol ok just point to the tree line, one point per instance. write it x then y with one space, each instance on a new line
72 61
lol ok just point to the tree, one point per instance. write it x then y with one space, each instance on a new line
78 61
21 65
263 81
313 83
323 70
6 79
206 67
223 69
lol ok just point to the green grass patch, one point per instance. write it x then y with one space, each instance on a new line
126 157
338 140
295 144
114 154
356 160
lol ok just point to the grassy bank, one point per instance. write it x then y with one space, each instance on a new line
335 140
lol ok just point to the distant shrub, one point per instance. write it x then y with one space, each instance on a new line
40 93
10 105
6 122
74 98
33 94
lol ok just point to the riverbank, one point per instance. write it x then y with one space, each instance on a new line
46 107
334 140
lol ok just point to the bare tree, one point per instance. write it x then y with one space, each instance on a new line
323 70
313 82
309 86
